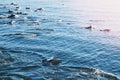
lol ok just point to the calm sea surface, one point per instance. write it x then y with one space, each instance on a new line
58 30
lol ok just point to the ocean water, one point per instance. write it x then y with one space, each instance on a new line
59 30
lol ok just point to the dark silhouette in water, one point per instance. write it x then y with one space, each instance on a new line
54 61
89 27
51 61
13 16
14 4
28 8
12 22
106 30
19 13
39 9
45 62
10 11
18 8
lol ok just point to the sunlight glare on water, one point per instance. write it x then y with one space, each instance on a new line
100 14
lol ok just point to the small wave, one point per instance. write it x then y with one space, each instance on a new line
92 72
14 77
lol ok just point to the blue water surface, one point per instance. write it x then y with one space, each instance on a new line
84 54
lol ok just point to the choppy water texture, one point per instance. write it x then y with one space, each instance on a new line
57 29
